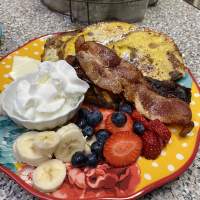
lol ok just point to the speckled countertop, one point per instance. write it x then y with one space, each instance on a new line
24 20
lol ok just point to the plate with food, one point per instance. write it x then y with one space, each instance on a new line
107 111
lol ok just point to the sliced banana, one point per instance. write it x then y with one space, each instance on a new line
72 140
24 151
16 155
46 142
49 176
61 131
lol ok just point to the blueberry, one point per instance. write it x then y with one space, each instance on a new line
83 112
92 160
138 128
94 118
119 119
81 123
102 135
79 159
126 107
97 148
88 131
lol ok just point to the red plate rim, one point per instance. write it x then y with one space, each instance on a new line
138 194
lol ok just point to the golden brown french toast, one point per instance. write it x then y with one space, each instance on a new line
103 32
154 54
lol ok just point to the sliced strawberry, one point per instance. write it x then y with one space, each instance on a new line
122 149
151 145
136 116
110 126
160 129
105 113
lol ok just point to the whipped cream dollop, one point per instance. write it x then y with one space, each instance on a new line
54 91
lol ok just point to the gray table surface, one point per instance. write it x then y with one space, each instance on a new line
27 19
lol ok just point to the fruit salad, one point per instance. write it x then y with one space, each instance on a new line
89 152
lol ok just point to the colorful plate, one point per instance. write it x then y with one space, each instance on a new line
144 176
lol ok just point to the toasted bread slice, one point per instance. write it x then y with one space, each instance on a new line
103 32
154 53
53 49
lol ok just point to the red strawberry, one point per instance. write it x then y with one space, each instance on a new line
151 145
122 149
136 116
105 113
160 129
110 126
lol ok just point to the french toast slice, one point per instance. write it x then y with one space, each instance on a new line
155 54
103 32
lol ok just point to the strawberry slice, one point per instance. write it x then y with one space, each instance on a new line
110 126
122 149
105 113
136 116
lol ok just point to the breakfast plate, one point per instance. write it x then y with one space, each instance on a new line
141 177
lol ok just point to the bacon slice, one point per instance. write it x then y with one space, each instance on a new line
106 70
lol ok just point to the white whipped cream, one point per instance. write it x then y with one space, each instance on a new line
54 91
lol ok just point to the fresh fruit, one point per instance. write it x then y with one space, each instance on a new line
81 123
136 116
83 112
112 128
72 140
61 131
105 113
160 129
46 142
94 118
138 128
151 145
126 107
88 131
16 155
102 135
97 148
49 176
119 119
24 151
122 149
92 160
79 159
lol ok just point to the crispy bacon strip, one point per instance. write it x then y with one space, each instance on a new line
106 70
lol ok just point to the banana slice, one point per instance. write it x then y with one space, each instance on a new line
16 155
72 140
24 151
49 176
61 131
46 142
